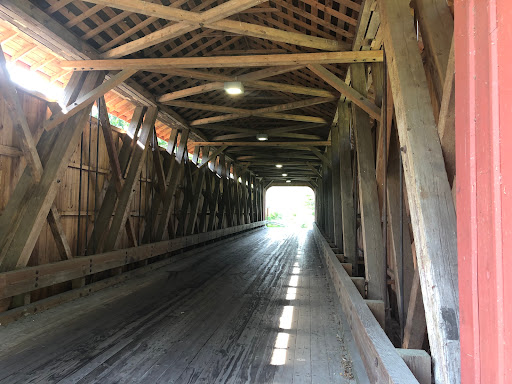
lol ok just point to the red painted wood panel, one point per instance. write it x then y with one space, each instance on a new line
483 81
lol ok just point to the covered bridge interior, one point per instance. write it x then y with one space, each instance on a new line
133 238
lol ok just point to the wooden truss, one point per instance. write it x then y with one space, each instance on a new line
304 62
372 187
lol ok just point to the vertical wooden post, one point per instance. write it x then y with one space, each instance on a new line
246 196
330 205
321 199
164 172
327 201
234 197
336 186
237 187
430 200
257 188
374 258
207 194
347 196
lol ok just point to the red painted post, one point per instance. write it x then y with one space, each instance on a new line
483 119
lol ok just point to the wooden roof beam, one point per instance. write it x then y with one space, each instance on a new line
269 115
186 21
266 85
288 135
274 159
52 35
288 144
220 79
236 113
225 61
262 163
251 76
189 21
289 88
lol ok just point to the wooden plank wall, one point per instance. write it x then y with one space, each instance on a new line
67 200
86 196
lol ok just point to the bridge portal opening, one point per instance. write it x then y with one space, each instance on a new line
292 206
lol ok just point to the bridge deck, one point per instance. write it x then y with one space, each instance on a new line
257 308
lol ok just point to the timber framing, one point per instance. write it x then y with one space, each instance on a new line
433 217
351 99
225 61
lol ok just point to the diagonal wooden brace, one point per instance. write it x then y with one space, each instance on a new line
123 205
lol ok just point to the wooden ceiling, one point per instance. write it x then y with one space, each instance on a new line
27 53
286 102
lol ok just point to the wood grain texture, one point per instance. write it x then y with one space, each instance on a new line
336 185
374 257
347 195
217 313
222 61
34 207
383 363
430 199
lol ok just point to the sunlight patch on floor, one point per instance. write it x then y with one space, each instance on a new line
285 321
294 281
291 294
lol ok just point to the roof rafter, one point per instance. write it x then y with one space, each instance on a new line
213 19
48 32
219 79
187 21
236 113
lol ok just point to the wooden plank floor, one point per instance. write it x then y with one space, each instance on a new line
258 308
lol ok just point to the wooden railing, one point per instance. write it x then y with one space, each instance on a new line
383 362
27 279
